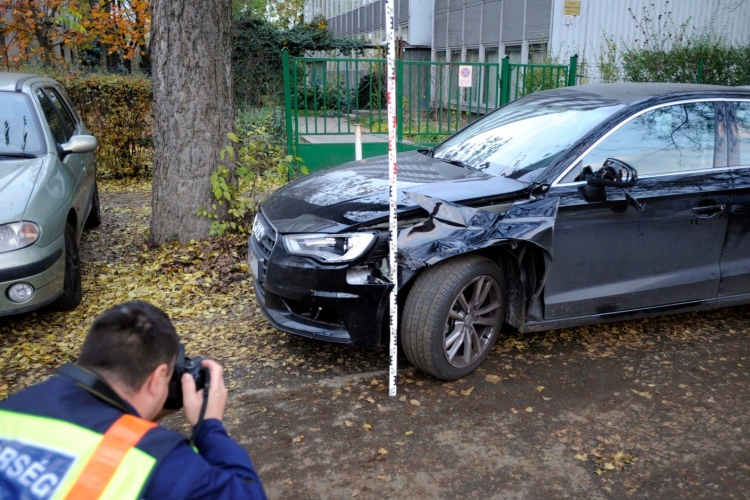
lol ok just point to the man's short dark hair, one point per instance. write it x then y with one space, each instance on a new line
129 341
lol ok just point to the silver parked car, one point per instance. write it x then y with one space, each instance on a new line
47 194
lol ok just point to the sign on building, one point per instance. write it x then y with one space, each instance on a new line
464 76
572 8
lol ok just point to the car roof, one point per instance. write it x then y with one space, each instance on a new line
10 81
628 93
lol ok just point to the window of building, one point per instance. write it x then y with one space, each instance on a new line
514 53
491 77
472 93
537 53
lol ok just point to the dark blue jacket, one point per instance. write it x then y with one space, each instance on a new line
222 469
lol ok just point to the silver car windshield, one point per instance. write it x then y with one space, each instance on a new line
522 138
19 129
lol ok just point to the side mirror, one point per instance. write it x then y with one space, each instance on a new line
80 144
614 173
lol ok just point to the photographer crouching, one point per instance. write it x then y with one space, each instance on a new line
89 431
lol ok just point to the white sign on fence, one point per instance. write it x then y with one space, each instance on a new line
464 76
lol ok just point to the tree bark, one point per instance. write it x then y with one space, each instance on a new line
193 111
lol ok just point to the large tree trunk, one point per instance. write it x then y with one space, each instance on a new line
193 110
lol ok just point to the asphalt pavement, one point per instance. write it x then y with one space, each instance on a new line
645 409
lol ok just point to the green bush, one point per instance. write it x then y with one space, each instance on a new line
723 63
256 54
117 110
667 52
257 165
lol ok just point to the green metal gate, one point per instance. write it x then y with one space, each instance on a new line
326 97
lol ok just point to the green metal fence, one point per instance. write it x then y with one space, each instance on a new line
519 80
431 105
326 97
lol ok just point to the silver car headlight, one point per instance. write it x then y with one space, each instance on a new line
332 248
18 235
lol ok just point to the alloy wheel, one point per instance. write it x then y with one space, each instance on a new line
472 320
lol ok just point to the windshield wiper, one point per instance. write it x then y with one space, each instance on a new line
458 163
17 155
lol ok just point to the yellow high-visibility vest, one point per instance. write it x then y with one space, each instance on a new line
46 458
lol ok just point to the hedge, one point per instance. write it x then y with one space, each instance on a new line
117 110
723 63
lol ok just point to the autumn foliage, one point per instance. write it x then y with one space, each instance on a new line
54 31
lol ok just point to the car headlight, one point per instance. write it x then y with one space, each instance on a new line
18 235
329 247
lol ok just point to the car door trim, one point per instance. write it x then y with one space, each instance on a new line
580 157
632 314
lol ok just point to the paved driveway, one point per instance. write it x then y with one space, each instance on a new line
649 409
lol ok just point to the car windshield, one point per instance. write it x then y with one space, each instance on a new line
19 132
522 138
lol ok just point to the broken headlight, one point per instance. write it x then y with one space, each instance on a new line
332 248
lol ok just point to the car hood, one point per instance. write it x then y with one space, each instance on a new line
355 193
17 180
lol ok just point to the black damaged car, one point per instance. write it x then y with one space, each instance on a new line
568 207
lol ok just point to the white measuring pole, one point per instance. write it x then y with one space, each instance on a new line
393 192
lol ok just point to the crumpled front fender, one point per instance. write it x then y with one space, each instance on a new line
453 229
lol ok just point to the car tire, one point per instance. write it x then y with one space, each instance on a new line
433 336
71 294
95 216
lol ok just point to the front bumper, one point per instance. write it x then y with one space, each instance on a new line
41 267
301 296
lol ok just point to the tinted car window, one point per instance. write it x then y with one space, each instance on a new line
522 138
55 125
66 116
69 103
19 132
668 139
739 151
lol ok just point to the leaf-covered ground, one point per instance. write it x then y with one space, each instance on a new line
648 408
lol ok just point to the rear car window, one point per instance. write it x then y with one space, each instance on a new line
19 128
68 119
739 144
55 125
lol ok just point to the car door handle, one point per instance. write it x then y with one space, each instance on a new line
710 211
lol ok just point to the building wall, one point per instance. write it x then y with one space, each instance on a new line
485 30
361 18
525 30
583 34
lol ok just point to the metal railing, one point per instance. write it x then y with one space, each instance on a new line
519 80
433 106
327 96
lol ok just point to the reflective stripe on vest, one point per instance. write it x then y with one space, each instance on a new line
108 457
53 459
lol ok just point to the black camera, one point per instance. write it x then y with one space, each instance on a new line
183 365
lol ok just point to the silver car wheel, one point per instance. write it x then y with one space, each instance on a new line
472 320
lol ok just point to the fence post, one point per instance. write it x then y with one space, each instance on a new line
505 81
572 70
399 103
288 102
699 76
